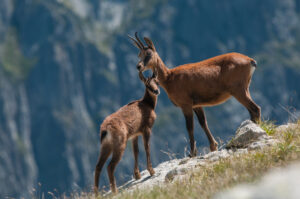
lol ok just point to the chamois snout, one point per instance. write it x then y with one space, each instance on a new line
152 86
151 83
139 66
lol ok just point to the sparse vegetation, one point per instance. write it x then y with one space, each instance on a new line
268 126
205 181
14 63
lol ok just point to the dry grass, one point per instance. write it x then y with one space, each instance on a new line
205 181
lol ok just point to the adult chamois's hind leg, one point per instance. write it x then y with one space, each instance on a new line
245 99
189 122
135 147
202 120
105 151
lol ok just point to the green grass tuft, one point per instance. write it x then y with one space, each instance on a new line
268 126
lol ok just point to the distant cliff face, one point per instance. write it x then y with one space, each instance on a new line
65 65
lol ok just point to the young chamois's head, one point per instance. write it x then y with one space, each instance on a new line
151 83
148 55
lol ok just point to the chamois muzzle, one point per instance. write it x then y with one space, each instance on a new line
138 66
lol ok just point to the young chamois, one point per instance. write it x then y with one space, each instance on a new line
207 83
130 121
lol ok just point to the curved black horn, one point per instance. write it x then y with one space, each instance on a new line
135 42
149 43
141 43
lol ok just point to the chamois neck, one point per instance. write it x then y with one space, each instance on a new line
162 72
150 98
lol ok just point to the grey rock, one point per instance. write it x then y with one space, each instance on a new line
247 133
175 172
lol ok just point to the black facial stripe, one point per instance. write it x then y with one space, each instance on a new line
152 90
146 60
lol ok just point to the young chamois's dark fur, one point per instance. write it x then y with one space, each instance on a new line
206 83
130 121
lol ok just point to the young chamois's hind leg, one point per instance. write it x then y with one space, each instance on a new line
105 151
146 139
245 99
189 122
116 157
202 120
135 147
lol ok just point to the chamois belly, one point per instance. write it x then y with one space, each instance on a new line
210 100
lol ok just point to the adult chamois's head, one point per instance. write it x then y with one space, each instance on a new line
148 55
151 83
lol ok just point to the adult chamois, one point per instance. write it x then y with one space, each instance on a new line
130 121
196 85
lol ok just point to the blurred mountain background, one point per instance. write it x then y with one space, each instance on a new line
67 64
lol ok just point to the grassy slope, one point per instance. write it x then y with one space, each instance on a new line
205 181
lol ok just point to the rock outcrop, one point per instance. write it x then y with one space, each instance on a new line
249 136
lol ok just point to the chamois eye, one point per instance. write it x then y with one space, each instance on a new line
148 53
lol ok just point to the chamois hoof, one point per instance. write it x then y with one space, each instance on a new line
214 147
96 192
193 154
137 175
151 171
114 190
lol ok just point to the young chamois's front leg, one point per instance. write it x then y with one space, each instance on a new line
146 139
202 121
135 147
189 122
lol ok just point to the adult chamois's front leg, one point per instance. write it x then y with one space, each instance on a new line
146 139
202 121
244 97
189 122
135 147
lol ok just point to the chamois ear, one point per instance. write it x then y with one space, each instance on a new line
149 43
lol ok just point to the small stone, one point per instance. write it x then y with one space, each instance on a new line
184 161
247 133
173 173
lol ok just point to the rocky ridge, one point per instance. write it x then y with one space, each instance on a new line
248 138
